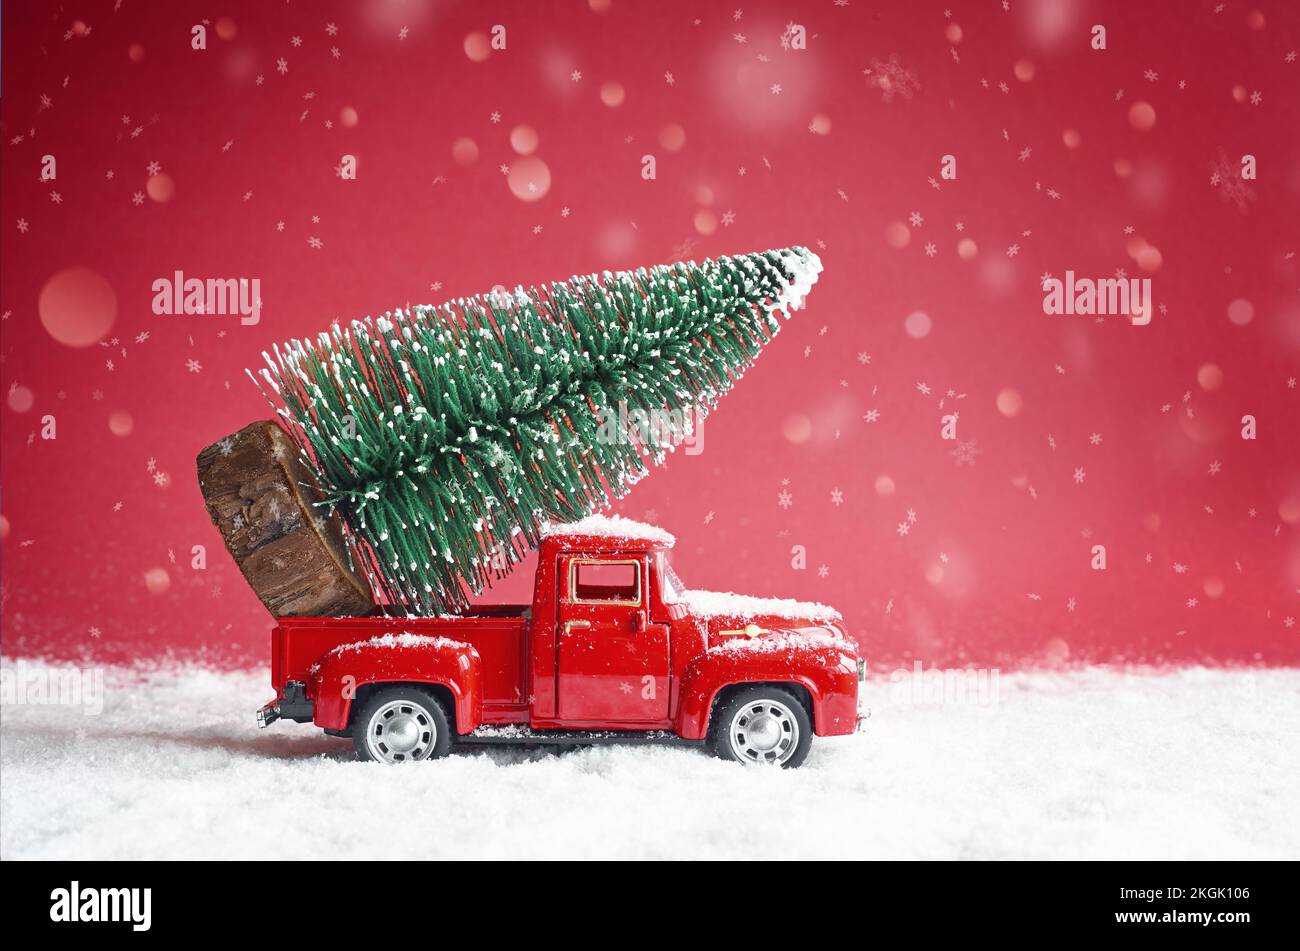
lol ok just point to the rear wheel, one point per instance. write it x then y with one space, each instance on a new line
765 726
401 725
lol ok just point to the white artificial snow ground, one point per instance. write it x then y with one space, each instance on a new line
1091 764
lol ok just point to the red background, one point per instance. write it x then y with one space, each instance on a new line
995 568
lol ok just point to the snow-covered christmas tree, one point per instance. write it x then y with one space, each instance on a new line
446 438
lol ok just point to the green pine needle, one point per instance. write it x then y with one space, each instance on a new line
447 437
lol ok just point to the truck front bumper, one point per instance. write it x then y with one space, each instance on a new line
292 704
863 711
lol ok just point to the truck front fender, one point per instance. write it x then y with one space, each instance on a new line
822 665
397 659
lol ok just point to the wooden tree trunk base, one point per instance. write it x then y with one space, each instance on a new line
293 555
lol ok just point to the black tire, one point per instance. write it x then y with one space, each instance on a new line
423 723
732 741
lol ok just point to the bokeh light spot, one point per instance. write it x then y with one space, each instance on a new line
161 187
1142 116
1056 652
612 94
797 428
1210 377
524 139
120 423
897 235
464 151
529 178
672 137
21 399
918 324
1288 509
77 306
706 222
477 46
157 580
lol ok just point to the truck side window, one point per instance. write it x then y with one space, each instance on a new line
618 581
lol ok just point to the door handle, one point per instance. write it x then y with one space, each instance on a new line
570 625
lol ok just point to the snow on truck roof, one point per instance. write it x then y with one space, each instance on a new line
612 528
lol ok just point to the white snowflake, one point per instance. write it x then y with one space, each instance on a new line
892 78
965 453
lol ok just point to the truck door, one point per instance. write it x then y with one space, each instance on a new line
613 664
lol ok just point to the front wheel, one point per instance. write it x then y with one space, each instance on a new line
762 726
401 725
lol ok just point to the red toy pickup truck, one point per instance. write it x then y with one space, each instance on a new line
612 649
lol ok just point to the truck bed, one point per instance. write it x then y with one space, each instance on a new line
496 632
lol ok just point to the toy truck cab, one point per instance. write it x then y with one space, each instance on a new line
612 648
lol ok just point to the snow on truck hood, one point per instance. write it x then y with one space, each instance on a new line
810 624
780 642
708 604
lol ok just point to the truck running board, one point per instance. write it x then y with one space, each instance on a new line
515 735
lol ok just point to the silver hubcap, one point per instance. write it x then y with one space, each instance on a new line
401 731
764 731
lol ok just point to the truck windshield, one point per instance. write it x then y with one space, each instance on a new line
673 587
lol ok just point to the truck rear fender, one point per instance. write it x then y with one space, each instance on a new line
345 674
